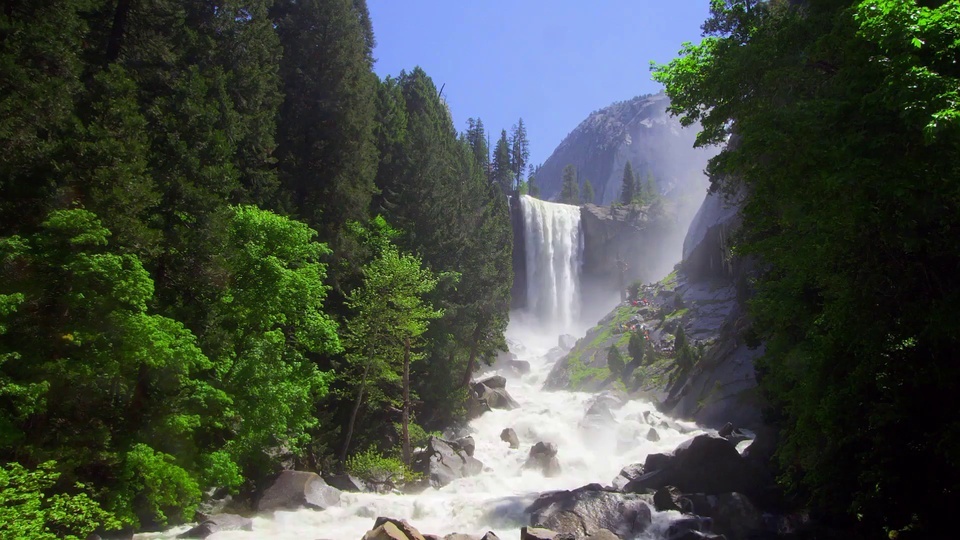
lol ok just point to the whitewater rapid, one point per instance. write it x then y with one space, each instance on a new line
495 499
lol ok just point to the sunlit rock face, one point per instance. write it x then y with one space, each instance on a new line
638 130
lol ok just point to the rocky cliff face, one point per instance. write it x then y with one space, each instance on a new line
638 130
706 296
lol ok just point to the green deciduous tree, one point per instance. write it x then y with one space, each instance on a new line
389 315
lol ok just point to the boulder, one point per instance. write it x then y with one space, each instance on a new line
508 435
444 461
387 531
490 536
497 381
588 509
705 464
298 489
543 456
537 533
467 444
652 435
603 534
521 367
691 528
667 498
735 516
408 530
345 482
495 398
202 530
628 473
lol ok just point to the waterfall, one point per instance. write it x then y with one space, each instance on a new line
553 240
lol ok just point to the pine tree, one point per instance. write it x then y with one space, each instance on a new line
501 171
326 124
519 151
569 192
477 138
627 192
588 195
615 361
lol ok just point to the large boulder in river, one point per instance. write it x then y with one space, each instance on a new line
409 531
705 464
543 456
497 381
538 533
509 436
218 522
627 474
495 398
298 489
588 509
443 462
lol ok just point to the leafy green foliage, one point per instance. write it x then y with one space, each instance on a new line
272 318
843 119
373 467
29 511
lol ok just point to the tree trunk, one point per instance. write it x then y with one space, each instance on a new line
473 357
115 40
353 415
406 401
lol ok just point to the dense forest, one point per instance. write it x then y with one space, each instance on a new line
841 122
226 244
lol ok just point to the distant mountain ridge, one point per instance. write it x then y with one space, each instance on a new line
639 130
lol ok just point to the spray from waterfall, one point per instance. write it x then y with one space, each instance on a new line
553 240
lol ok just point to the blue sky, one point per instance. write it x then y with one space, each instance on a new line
551 62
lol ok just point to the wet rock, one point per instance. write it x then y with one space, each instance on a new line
691 528
704 464
652 435
497 381
588 509
345 482
543 456
467 444
726 430
628 473
735 516
490 536
386 531
603 534
443 462
495 398
667 498
202 530
409 531
298 489
538 533
521 367
508 435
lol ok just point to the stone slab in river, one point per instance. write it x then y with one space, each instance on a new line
298 489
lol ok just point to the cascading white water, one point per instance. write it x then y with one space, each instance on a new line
495 499
554 244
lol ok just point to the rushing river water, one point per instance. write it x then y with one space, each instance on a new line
495 499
